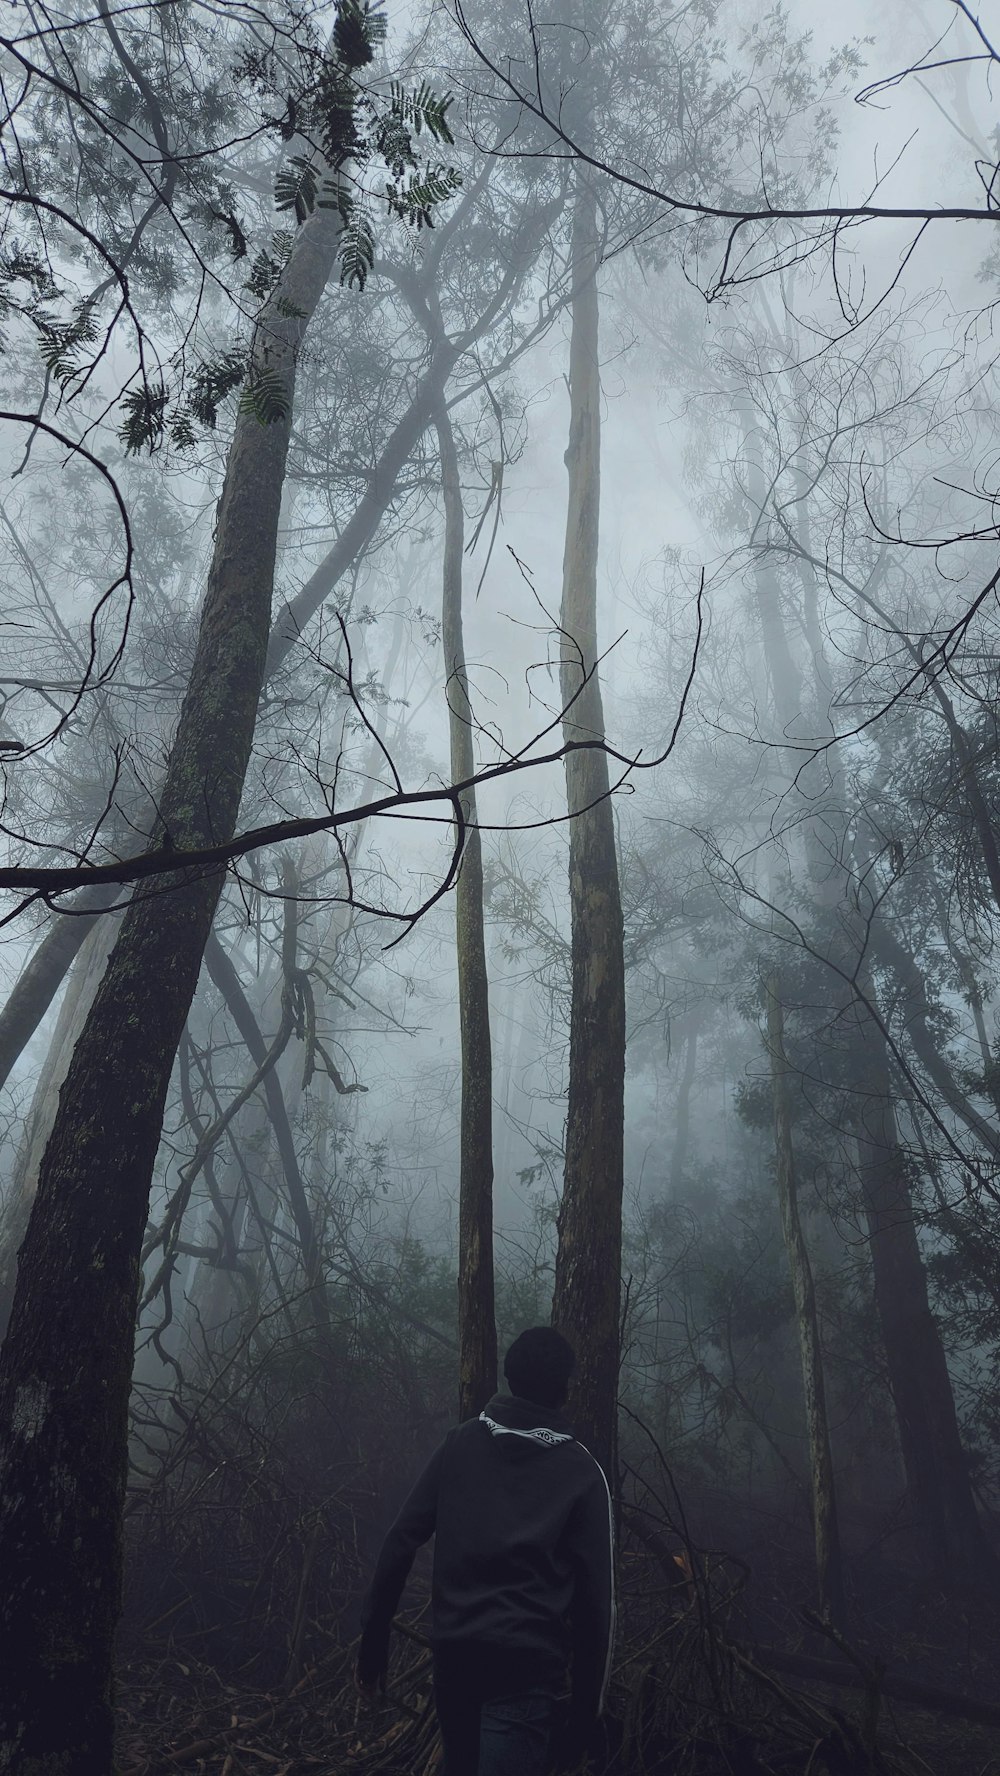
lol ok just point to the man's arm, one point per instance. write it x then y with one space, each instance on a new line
415 1525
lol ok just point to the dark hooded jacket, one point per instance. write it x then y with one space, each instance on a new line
523 1553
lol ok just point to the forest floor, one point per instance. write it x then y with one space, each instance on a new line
691 1697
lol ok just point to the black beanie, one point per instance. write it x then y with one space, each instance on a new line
538 1366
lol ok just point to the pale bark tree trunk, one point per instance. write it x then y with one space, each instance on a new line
67 1360
587 1298
222 970
829 1569
43 974
477 1334
787 690
682 1122
83 983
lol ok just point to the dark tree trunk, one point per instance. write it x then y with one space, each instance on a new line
84 979
587 1299
477 1333
42 976
67 1361
937 1472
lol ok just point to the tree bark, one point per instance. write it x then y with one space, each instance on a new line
587 1298
937 1472
223 972
477 1333
66 1364
43 974
682 1119
829 1569
92 957
890 953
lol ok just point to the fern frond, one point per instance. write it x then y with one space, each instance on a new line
357 28
415 202
295 187
61 340
212 382
265 397
264 274
182 432
357 248
422 110
144 409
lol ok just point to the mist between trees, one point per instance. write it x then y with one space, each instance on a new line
500 783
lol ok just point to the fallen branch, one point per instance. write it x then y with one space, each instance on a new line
901 1689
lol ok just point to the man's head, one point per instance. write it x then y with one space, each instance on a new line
538 1366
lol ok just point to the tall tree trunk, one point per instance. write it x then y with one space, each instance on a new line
79 996
937 1472
890 953
477 1332
587 1298
222 970
923 1398
43 974
682 1115
829 1570
67 1360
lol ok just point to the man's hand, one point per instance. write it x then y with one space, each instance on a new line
370 1670
573 1738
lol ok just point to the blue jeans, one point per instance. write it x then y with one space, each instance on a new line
501 1736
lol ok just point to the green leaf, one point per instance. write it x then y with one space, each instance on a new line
295 187
182 432
415 202
264 274
333 111
61 340
265 397
237 239
142 425
357 28
422 110
212 382
393 143
357 248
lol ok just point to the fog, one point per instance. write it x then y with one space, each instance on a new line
500 825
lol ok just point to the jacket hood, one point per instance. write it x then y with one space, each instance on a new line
507 1415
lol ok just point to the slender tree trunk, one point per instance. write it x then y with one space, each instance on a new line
477 1333
587 1299
43 974
79 995
223 973
829 1569
67 1361
682 1123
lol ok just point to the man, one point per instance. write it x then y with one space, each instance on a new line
523 1574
